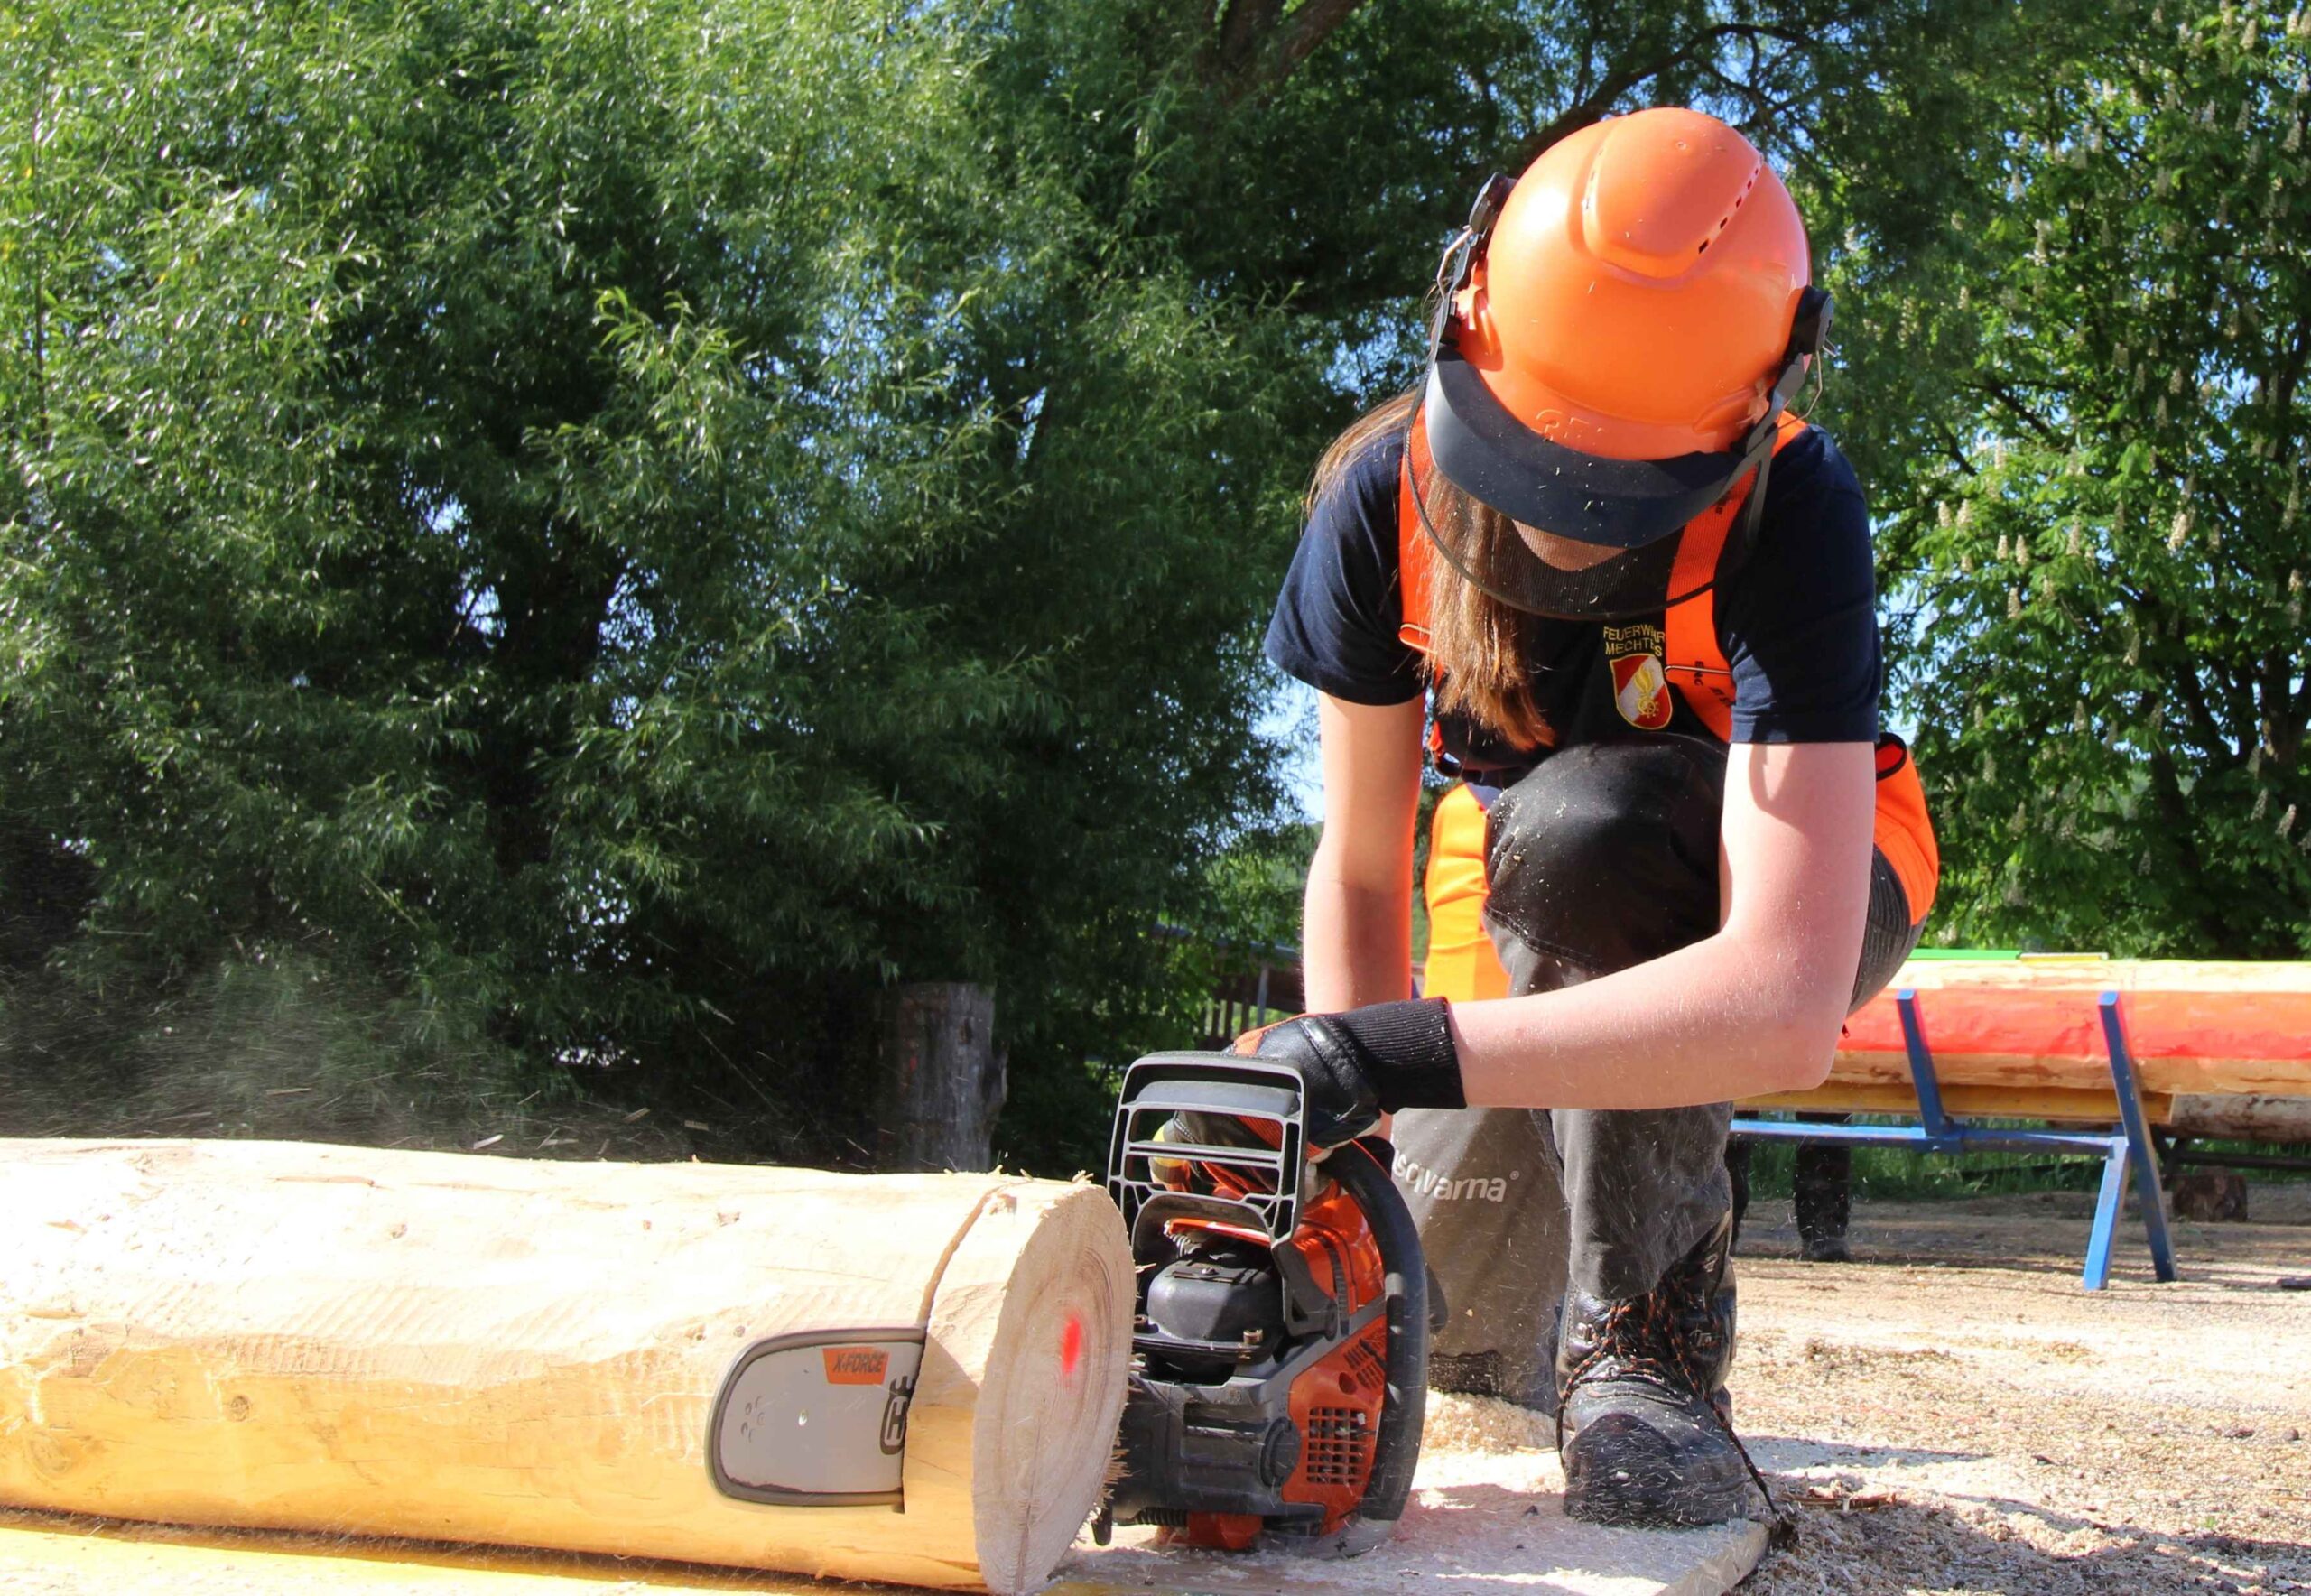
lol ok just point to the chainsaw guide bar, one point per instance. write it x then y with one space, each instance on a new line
817 1419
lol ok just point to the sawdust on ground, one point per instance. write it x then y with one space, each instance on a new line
1951 1415
1955 1415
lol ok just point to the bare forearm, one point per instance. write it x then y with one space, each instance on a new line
1355 941
1356 926
1707 1024
1755 1008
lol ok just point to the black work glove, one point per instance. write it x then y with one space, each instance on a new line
1368 1062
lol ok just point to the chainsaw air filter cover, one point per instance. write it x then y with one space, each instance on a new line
1231 1297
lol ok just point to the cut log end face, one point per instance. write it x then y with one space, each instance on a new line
1044 1286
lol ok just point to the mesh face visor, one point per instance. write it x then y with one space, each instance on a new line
1611 528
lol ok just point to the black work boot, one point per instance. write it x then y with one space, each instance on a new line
1641 1445
1825 1201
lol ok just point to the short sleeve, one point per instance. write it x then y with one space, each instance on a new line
1336 620
1799 620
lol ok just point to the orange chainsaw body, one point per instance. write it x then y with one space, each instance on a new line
1279 1348
1336 1402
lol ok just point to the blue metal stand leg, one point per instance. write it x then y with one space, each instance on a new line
1922 1080
2128 1151
2097 1274
2148 1186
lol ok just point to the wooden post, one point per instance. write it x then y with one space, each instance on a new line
943 1080
338 1340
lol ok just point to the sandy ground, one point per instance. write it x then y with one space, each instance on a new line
1486 1516
1960 1416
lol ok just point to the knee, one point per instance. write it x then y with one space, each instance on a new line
1612 832
1575 806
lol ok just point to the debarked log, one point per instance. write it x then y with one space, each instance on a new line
2192 1029
910 1378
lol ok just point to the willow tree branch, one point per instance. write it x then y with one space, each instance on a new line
1592 107
1259 46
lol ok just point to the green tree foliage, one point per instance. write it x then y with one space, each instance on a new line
638 524
2089 492
644 520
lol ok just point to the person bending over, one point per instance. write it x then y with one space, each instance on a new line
1594 570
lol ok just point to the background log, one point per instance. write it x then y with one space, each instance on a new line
943 1080
2244 1118
2193 1027
453 1348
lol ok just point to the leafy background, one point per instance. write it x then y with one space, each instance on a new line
553 552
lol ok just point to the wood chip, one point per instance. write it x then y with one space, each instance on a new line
1838 1499
638 1114
487 1141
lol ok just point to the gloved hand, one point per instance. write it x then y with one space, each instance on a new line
1368 1062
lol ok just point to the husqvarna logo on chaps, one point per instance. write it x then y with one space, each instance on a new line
1428 1183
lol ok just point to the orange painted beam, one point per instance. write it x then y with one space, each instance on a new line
2032 1026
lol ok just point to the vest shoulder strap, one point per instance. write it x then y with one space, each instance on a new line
1415 557
1695 665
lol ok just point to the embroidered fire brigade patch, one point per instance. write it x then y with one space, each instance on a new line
1640 685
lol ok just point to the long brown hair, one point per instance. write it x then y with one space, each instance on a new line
1479 659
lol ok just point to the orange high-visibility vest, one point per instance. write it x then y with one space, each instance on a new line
1461 962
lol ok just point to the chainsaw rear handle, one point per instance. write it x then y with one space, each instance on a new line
1396 1449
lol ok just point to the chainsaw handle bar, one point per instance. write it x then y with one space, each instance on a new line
1396 1448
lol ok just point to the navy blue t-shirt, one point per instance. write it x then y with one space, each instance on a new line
1797 620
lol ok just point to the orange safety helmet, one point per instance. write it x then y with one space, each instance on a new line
1617 335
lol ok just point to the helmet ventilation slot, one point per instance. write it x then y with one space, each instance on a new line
1739 200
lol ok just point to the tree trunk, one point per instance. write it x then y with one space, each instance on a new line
284 1336
942 1081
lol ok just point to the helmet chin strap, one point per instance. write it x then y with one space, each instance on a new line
1807 331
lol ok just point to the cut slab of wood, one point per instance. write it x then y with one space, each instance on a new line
342 1340
2242 1118
2054 1103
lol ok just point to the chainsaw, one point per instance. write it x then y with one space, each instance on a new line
1280 1347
